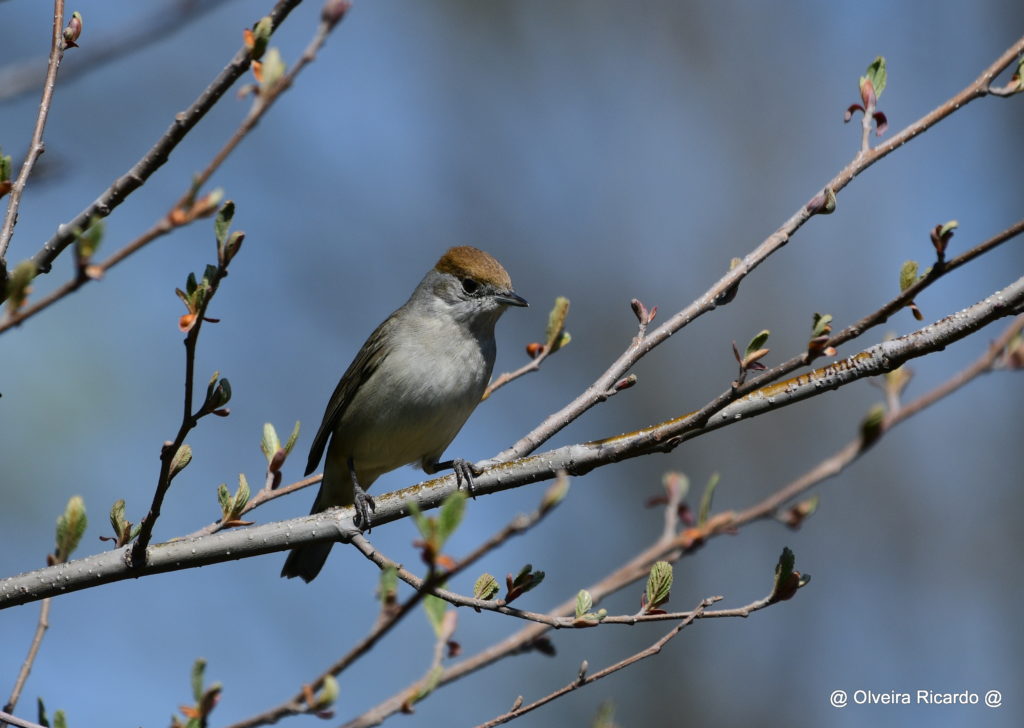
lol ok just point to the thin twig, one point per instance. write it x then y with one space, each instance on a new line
8 719
298 705
337 524
141 171
845 456
671 546
183 211
36 146
189 419
170 18
584 679
26 667
725 288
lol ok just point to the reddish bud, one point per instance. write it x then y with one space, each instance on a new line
73 30
534 349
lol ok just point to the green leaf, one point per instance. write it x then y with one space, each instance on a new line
224 498
18 284
705 500
787 581
41 713
387 587
486 587
70 528
198 671
270 444
222 223
757 343
292 438
820 324
328 693
450 516
423 524
273 69
908 275
261 33
584 602
877 75
5 167
659 585
948 227
221 396
117 519
871 425
555 336
435 607
87 242
59 720
241 497
180 460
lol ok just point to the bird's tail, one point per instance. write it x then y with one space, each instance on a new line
306 560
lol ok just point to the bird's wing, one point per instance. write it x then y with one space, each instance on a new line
362 368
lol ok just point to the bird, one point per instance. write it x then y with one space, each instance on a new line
409 390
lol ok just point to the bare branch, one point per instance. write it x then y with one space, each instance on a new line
724 289
135 177
336 524
36 146
185 210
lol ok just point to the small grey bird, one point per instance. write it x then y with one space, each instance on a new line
409 390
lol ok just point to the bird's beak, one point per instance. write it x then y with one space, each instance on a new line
510 298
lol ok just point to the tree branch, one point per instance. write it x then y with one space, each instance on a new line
336 524
135 177
725 288
36 146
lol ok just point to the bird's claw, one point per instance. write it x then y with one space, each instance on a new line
464 473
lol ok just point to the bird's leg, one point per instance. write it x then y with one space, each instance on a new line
362 502
464 472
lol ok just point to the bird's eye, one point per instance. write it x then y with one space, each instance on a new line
469 285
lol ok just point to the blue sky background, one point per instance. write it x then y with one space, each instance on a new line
602 151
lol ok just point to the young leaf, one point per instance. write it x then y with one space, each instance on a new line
328 693
821 325
756 344
270 444
180 460
198 671
222 223
787 581
705 500
70 528
224 498
583 603
486 587
387 588
242 496
292 438
877 75
659 585
435 607
908 274
450 516
555 335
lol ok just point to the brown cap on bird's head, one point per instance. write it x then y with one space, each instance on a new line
465 261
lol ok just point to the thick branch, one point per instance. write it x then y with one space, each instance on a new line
574 459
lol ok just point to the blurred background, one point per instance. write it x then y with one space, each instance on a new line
602 151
